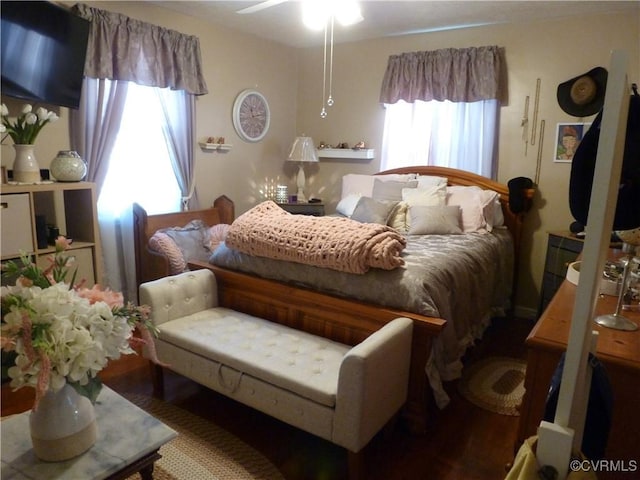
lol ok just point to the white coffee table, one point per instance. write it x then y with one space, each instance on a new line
128 442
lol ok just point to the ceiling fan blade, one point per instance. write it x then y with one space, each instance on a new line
260 6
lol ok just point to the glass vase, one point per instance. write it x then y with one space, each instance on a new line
63 425
25 166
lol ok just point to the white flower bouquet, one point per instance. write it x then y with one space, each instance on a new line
27 126
65 333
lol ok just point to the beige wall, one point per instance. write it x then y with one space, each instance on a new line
552 51
291 80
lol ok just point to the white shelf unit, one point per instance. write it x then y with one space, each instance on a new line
71 207
359 154
216 147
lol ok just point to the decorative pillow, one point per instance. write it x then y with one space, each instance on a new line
191 241
363 184
347 205
492 209
425 181
429 196
161 242
217 234
471 203
399 219
391 190
434 220
369 210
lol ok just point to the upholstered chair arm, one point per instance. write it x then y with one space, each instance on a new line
372 385
180 295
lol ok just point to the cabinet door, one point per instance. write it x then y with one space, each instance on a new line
16 224
83 261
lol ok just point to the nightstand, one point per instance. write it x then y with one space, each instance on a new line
315 209
563 248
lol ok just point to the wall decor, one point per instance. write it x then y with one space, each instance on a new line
568 137
251 115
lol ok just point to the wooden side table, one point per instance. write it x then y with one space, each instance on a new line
315 209
619 351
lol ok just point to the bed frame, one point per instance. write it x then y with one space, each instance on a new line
151 265
340 319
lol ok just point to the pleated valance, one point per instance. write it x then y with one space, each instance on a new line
454 74
122 48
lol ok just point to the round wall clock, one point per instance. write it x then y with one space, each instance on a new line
251 116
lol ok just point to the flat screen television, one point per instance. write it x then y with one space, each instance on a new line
43 52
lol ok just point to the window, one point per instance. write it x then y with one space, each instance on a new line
140 166
445 134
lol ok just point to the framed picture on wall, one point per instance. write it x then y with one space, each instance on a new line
568 137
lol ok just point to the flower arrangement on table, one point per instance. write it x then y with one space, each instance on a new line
65 333
27 126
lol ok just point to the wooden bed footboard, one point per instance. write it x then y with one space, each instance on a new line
343 320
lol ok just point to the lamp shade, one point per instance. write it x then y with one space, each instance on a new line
303 150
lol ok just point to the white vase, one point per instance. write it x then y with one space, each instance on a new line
68 166
25 166
63 426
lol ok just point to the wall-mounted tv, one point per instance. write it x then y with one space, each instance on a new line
43 52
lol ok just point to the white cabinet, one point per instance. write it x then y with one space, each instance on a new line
69 207
16 224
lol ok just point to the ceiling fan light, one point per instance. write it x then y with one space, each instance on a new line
348 13
314 14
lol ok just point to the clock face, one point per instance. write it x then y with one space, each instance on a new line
251 115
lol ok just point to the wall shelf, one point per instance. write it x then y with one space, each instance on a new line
360 154
217 147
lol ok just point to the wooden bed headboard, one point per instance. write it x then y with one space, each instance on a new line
150 266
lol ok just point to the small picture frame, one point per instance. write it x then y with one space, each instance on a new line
568 137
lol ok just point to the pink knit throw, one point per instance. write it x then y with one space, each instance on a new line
329 242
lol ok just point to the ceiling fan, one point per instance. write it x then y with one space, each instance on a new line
260 6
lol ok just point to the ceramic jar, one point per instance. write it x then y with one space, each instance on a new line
25 166
68 166
63 425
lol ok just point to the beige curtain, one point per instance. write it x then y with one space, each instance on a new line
457 75
123 48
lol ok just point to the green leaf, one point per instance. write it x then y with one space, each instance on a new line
91 390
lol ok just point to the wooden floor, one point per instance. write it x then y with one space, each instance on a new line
464 442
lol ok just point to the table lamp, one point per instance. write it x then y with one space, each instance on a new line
303 150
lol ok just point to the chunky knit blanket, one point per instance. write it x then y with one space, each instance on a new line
329 242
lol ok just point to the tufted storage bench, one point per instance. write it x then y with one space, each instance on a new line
340 393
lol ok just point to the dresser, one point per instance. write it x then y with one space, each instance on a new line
618 350
315 209
563 248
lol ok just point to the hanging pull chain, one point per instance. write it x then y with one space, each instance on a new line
330 99
323 112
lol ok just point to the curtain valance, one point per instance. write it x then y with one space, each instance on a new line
458 75
122 48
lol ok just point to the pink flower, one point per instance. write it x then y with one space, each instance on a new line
62 244
96 294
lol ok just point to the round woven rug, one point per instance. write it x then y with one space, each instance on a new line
202 450
495 384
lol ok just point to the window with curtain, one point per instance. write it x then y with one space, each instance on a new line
135 127
442 108
140 163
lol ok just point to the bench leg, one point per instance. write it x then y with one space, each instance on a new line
157 380
357 465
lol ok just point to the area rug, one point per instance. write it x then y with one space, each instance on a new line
202 450
495 384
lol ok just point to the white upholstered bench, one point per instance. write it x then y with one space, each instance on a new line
340 393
